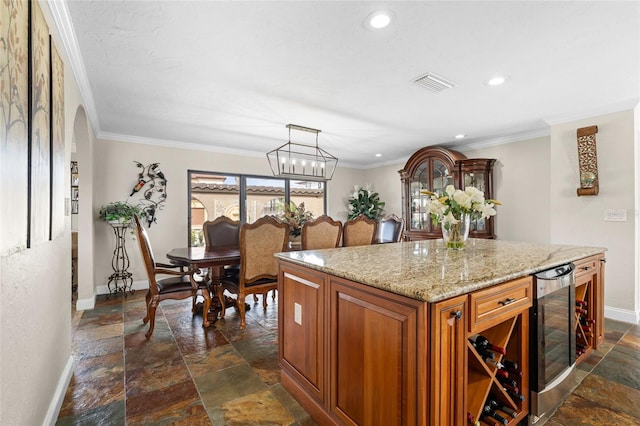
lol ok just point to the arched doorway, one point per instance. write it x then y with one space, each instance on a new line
83 142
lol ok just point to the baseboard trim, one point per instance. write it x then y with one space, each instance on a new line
624 315
136 285
86 304
58 396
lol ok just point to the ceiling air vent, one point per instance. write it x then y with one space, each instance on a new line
434 82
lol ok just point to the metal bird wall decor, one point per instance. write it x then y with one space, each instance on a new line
152 184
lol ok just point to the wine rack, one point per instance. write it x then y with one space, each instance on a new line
505 326
585 321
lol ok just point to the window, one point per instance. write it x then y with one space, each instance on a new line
246 198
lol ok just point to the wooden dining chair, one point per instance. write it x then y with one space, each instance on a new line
222 231
258 268
320 233
180 284
390 229
360 231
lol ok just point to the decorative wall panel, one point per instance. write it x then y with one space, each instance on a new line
58 166
40 142
14 148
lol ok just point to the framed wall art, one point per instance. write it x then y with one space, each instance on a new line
14 147
40 139
58 165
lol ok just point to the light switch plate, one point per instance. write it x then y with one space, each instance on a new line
611 215
297 313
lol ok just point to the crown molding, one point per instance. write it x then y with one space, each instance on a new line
503 140
176 144
62 20
627 104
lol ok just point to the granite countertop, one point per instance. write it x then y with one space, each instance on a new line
428 271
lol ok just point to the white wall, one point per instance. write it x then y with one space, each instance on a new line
35 307
521 182
115 175
579 220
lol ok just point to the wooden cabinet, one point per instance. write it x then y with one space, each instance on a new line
432 169
351 354
301 315
448 362
501 315
371 378
589 274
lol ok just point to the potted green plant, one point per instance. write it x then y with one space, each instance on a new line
366 202
119 212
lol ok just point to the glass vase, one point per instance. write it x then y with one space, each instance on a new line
455 234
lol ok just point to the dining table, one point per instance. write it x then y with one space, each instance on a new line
214 259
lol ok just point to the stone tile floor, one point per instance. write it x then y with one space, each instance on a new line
187 375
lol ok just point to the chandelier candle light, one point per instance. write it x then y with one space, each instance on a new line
294 159
455 209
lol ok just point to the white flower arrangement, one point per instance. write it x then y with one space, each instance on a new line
450 207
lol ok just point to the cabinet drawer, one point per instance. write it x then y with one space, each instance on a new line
586 266
493 305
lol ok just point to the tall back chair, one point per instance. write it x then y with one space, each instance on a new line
180 284
222 231
360 231
320 233
390 229
259 268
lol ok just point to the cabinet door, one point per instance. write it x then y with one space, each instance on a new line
373 337
301 313
479 174
448 362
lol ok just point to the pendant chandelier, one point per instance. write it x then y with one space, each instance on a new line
298 160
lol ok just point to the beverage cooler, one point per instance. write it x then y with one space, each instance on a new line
552 340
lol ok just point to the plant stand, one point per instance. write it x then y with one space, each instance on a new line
121 281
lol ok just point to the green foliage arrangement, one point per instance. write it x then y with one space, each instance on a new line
296 216
365 201
119 211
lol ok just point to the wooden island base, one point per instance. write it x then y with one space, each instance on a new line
354 354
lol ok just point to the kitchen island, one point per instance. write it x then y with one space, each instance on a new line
378 334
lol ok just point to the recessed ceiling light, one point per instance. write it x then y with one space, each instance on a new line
378 155
459 136
496 81
379 19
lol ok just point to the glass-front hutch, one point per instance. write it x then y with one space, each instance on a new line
432 169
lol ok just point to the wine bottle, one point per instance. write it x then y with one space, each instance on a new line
497 405
486 354
480 341
490 412
581 311
510 365
494 363
506 381
138 187
515 395
581 303
488 420
471 420
586 322
502 373
507 387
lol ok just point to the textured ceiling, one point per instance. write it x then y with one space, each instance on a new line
232 74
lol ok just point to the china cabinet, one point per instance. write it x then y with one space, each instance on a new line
432 169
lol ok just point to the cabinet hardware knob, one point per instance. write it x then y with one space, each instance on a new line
456 314
506 302
586 268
